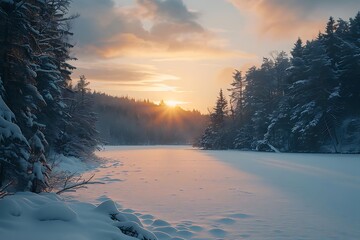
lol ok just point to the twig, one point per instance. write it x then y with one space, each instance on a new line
3 193
78 185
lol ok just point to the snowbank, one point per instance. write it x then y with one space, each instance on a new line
71 164
47 216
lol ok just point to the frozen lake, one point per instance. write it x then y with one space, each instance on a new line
233 194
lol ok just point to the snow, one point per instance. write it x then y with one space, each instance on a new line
39 171
8 129
47 216
71 164
5 111
335 93
182 193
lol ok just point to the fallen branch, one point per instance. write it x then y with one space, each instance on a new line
80 183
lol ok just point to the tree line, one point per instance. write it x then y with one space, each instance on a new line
308 102
40 111
126 121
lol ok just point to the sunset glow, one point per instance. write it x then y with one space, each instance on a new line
185 49
172 103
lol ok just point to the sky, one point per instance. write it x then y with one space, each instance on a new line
184 51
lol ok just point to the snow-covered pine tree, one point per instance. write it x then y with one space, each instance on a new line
310 100
278 130
349 67
53 72
34 48
19 51
79 136
237 97
216 134
14 148
309 104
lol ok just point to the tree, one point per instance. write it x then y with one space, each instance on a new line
14 150
216 134
79 135
20 53
53 70
237 97
220 111
34 49
308 103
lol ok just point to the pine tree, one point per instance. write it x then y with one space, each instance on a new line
216 134
33 53
279 131
14 150
79 135
53 71
237 97
20 53
349 68
219 113
308 103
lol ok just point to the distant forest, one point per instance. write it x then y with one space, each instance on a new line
308 102
125 121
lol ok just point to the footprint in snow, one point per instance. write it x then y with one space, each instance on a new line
245 235
239 215
109 179
217 232
225 221
196 228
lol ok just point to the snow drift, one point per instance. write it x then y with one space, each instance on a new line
47 216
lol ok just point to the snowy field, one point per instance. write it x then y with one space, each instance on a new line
180 193
183 193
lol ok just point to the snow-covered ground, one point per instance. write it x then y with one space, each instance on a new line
47 216
182 193
192 194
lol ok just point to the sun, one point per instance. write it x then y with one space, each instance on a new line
172 103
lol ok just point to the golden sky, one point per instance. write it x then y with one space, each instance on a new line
185 50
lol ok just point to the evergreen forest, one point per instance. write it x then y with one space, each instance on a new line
305 102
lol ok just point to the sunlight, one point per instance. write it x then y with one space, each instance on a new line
172 103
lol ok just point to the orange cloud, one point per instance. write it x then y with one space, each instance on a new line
109 76
280 18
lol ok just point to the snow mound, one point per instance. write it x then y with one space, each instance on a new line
46 216
55 211
8 207
107 207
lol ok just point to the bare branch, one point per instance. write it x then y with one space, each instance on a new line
3 192
78 184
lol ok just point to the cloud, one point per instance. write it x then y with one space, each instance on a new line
169 10
150 28
127 77
292 18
